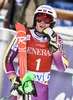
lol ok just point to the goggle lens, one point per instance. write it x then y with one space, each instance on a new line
44 17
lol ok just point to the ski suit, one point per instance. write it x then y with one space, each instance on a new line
39 60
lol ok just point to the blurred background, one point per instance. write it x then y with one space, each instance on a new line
61 84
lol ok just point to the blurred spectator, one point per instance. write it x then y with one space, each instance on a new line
16 11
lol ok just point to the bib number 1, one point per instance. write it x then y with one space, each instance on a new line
38 64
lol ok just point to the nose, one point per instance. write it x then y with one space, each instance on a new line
42 21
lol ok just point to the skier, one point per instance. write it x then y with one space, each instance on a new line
43 46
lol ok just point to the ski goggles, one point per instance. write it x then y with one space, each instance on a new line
44 17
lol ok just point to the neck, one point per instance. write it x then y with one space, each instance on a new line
38 33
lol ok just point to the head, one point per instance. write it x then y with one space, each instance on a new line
44 16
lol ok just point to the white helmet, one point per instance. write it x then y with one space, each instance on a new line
48 10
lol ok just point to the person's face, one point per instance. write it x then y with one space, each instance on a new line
43 21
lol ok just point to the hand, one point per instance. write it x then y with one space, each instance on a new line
51 36
28 84
16 88
24 23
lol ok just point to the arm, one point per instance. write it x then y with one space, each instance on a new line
57 49
59 56
9 69
9 57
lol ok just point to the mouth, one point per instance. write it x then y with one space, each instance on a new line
42 27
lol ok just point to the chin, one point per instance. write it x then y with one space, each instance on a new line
40 30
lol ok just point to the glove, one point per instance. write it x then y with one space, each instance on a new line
23 22
28 85
51 36
16 88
